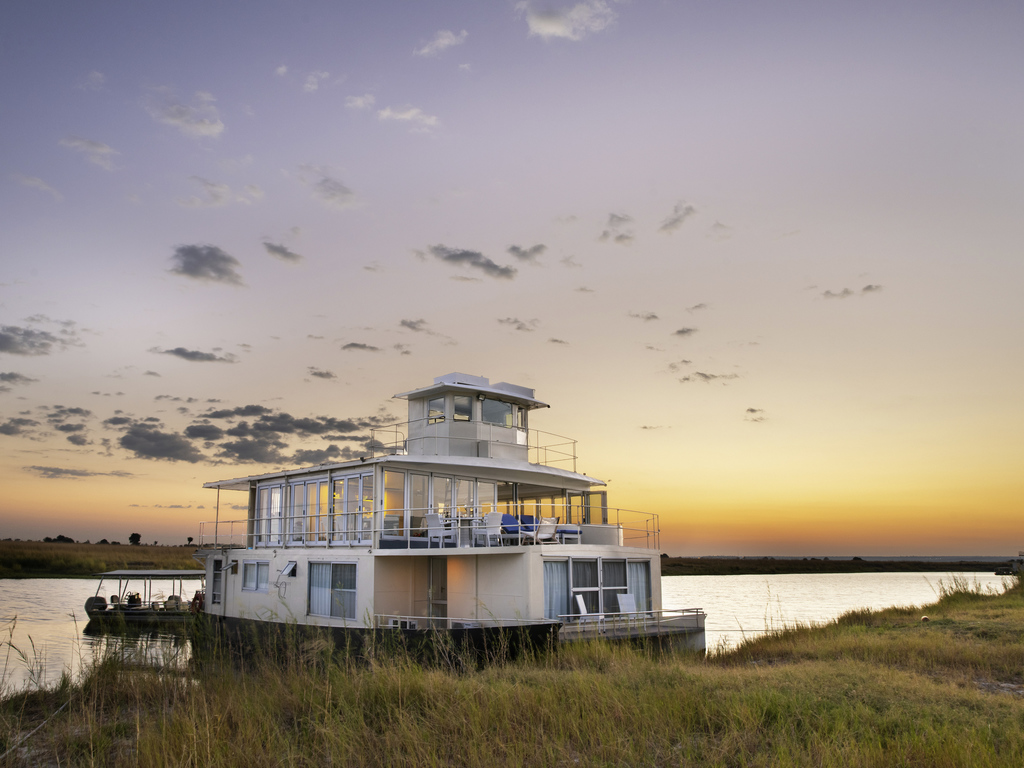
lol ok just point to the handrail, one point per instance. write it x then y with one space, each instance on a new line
433 439
407 528
398 621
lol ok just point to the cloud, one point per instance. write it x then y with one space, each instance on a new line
680 213
320 374
95 152
94 81
675 366
843 294
17 426
360 102
14 378
615 231
416 117
326 188
755 414
519 325
871 289
720 231
281 252
472 259
148 442
263 450
645 316
194 356
569 23
206 432
281 71
199 119
36 183
30 342
355 346
313 80
685 332
419 326
557 341
528 254
443 40
216 194
709 377
205 262
697 307
61 473
322 456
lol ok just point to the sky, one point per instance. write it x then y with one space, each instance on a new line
762 259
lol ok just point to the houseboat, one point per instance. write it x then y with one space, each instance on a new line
144 598
462 519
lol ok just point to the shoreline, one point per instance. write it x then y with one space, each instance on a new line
774 566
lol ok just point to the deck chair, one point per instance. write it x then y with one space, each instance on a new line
489 529
509 529
587 619
543 533
438 531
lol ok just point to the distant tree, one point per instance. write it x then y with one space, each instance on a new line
154 543
190 541
59 540
135 539
102 541
115 543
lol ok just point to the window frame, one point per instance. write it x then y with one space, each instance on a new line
315 565
261 575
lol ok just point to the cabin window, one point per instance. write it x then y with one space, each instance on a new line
496 412
394 503
521 417
442 496
613 583
464 497
463 408
640 584
255 576
217 582
435 410
556 588
585 583
332 590
487 494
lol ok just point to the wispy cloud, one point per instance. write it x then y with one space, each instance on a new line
472 259
199 119
96 152
282 252
418 119
63 473
215 194
35 182
313 80
195 356
685 332
847 293
355 346
32 342
707 378
205 262
360 102
570 23
94 81
531 254
443 40
519 325
326 188
616 229
680 213
318 373
755 415
14 378
645 316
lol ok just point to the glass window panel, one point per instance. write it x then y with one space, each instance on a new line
613 573
248 576
496 412
418 493
463 408
521 417
262 575
320 589
443 496
488 495
556 589
217 587
435 410
463 497
584 573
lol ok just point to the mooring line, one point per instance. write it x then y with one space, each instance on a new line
32 733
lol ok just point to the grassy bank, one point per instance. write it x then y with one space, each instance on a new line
871 689
37 559
734 566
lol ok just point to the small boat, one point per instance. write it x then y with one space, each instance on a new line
145 597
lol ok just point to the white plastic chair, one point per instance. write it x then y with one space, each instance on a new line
544 532
438 531
489 529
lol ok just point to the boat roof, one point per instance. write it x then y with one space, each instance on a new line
152 574
519 469
464 382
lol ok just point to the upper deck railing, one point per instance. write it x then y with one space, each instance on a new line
432 437
396 529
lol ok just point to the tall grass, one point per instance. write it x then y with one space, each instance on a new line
19 559
871 689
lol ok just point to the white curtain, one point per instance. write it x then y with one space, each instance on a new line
640 584
320 589
556 589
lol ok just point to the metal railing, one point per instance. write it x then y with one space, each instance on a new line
542 524
632 623
433 439
397 621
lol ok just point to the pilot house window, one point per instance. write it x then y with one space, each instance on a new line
496 412
435 410
463 408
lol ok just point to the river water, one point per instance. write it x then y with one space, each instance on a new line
41 620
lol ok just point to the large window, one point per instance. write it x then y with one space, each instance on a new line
435 410
556 588
496 412
255 576
217 585
332 590
463 408
598 581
